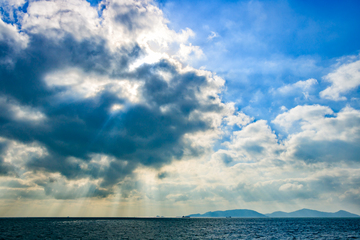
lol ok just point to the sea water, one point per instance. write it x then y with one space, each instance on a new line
179 228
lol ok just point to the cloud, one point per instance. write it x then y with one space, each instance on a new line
5 167
316 160
244 183
59 188
280 191
344 79
213 35
240 119
352 196
301 115
319 134
14 112
82 90
322 186
254 142
301 86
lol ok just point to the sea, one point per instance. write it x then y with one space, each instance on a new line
179 228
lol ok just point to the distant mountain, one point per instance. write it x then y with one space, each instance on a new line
237 213
303 213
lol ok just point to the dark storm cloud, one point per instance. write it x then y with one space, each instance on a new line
23 80
141 134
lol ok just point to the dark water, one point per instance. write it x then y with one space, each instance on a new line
167 228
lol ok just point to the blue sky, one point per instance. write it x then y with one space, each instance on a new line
145 108
259 45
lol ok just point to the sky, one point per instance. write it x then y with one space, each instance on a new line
142 108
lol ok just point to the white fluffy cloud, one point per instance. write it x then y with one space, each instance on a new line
240 119
301 115
344 79
321 123
303 86
320 137
254 142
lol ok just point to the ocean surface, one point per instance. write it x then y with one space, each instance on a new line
177 228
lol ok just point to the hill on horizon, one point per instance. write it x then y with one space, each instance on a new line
240 213
302 213
311 213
